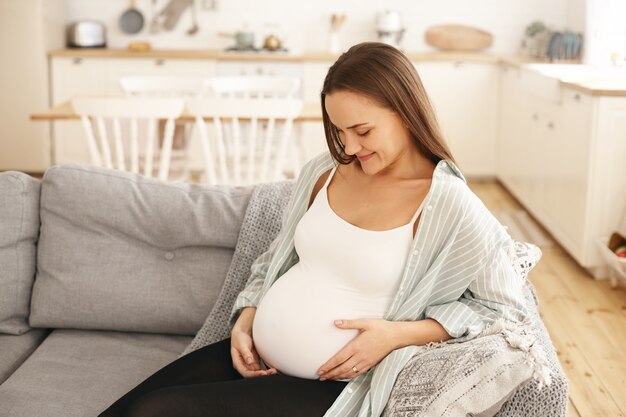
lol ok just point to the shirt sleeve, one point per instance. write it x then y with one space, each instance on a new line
251 294
495 292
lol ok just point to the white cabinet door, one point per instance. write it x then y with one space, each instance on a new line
465 97
72 77
511 144
572 177
122 67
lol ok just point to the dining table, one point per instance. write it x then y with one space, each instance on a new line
311 112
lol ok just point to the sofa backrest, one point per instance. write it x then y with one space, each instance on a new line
119 251
19 229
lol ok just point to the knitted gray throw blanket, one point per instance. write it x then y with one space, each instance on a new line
261 223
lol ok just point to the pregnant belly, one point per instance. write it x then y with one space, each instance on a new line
293 328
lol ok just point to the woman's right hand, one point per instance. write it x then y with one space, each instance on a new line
244 355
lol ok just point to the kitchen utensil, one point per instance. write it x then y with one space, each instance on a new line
154 22
86 34
555 46
194 21
243 39
568 45
272 42
336 21
389 27
578 43
171 13
131 21
139 47
455 37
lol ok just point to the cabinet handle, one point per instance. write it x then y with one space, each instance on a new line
259 70
577 97
159 62
77 61
458 64
550 125
535 116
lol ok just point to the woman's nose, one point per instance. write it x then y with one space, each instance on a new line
352 145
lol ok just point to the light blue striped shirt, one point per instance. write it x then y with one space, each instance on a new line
459 272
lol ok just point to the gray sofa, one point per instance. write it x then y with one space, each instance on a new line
106 277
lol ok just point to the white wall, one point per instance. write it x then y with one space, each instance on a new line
306 22
28 29
605 31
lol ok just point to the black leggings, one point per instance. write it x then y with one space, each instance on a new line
204 383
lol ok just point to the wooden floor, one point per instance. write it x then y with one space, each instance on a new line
586 320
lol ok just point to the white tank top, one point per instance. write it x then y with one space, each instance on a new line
344 272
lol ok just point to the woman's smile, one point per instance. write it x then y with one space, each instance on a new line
365 158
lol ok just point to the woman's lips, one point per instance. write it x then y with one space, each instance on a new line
365 158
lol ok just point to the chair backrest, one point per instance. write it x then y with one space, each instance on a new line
240 160
164 86
110 113
260 86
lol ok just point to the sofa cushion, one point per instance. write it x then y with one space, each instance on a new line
119 251
19 229
16 348
81 372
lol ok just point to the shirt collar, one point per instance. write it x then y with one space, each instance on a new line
452 168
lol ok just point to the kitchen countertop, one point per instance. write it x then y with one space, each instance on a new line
220 54
610 86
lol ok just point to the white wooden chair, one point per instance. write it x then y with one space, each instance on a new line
170 86
250 157
263 86
260 86
128 113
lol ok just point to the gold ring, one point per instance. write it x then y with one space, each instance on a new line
354 369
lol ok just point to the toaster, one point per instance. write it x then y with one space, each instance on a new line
86 34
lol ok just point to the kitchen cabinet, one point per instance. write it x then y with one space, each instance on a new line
512 142
562 156
465 97
121 67
72 77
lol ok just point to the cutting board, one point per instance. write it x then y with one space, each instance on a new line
458 38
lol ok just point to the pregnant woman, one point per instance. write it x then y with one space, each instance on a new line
384 248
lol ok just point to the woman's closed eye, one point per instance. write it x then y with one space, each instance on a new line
363 134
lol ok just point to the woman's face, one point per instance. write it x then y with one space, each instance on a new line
369 130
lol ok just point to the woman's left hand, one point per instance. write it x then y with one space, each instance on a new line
374 341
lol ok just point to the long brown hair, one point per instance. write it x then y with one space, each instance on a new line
386 75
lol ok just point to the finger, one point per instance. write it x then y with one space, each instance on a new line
240 365
340 357
256 363
337 370
249 358
245 372
345 371
351 324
